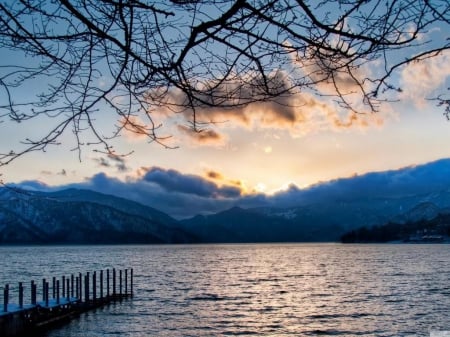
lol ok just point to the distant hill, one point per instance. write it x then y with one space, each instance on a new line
319 222
241 225
82 217
323 212
423 223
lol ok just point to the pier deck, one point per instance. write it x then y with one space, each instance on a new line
64 300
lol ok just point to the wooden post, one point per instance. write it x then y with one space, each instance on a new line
46 286
20 295
114 282
77 288
80 284
33 293
120 282
43 289
107 282
63 286
101 284
54 286
86 288
94 286
131 282
126 282
5 298
67 287
71 285
57 292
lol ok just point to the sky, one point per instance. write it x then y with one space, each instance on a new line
253 157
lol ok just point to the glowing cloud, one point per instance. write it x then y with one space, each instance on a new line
299 113
419 80
203 137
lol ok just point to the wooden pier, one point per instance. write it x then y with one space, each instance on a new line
61 299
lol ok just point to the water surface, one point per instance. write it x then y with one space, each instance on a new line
255 290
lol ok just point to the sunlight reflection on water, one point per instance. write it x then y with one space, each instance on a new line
259 290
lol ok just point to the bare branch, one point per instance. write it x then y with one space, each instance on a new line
76 59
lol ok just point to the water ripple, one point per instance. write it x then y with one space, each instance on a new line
254 290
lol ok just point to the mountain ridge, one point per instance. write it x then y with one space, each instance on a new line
39 217
322 212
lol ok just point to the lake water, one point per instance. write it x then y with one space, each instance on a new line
254 290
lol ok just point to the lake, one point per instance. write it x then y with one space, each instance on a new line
254 289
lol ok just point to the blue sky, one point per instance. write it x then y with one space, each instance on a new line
257 151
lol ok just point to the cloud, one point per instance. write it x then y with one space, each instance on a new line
422 80
206 136
180 195
175 181
32 185
299 113
119 162
214 175
185 195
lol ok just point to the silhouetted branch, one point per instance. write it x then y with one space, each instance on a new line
69 61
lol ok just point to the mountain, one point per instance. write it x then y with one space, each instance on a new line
121 204
321 221
78 216
323 212
327 210
423 223
240 225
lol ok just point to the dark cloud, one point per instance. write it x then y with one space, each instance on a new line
111 160
167 190
102 162
204 136
120 162
214 175
172 180
184 195
245 104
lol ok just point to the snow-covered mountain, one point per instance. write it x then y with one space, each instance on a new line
77 216
322 212
325 211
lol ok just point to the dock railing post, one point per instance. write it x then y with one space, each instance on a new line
67 287
101 284
126 282
5 298
86 288
77 288
54 287
71 285
57 292
20 295
46 286
80 284
94 286
63 286
131 281
43 289
114 282
107 282
120 282
33 293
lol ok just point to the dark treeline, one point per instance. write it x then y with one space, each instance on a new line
391 231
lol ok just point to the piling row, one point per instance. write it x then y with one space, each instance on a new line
62 298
